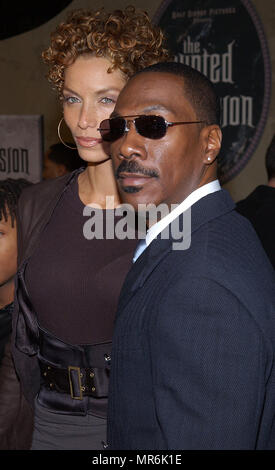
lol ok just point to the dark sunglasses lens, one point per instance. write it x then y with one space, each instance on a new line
112 129
152 127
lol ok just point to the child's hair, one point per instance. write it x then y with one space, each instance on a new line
10 190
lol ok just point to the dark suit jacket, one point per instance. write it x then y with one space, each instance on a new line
193 363
259 208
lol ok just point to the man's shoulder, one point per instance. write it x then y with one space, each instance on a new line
226 259
225 248
233 241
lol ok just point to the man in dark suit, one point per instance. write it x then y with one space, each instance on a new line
259 206
193 351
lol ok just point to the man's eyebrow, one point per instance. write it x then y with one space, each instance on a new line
153 107
156 107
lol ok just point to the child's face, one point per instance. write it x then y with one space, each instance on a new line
8 251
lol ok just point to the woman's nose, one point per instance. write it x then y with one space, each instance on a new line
87 118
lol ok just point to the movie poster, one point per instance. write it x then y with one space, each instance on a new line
21 147
224 39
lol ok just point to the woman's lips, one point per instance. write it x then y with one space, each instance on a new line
133 179
87 141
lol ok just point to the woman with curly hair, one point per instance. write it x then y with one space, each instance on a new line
68 284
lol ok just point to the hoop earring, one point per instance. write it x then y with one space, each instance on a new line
60 138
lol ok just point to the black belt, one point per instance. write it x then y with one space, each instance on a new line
76 381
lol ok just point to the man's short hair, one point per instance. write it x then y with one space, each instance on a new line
198 90
270 159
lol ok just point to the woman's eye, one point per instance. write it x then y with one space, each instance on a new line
107 100
70 99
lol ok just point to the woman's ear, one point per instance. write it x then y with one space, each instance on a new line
213 139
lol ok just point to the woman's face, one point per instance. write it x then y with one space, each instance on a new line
90 94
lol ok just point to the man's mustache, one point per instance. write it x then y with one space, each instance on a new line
131 166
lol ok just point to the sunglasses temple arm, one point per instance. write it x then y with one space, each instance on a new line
170 124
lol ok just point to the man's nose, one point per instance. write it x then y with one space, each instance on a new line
131 145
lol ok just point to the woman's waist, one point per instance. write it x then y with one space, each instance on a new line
60 354
73 374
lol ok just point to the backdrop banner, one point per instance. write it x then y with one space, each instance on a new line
21 147
225 41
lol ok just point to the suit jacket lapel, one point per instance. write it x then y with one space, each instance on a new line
142 268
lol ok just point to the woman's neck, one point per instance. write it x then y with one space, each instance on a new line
96 183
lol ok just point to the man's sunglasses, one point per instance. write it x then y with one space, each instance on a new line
149 126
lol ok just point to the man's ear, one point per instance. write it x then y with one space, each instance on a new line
212 137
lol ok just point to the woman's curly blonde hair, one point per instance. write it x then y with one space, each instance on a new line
127 38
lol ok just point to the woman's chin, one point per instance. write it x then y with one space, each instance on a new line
93 157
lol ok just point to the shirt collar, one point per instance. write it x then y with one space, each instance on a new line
199 193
